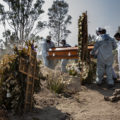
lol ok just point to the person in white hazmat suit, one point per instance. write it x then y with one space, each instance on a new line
45 46
64 61
104 46
117 37
113 71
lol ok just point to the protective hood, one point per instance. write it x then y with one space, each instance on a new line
105 37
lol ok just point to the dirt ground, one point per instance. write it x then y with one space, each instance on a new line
88 104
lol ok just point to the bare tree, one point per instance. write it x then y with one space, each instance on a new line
23 18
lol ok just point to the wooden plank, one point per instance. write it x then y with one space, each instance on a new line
33 84
23 72
63 57
68 49
36 78
29 75
23 66
29 69
28 103
30 81
64 49
66 53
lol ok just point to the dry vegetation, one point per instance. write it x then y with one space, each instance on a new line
62 97
85 103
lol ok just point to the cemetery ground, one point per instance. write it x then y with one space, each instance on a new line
86 104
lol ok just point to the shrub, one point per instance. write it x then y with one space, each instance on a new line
55 83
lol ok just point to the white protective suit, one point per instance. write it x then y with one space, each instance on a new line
104 45
64 61
113 72
44 48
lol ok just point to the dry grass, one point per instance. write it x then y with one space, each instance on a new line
55 83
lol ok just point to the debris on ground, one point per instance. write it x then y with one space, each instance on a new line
115 97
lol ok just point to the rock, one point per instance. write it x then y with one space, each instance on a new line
116 92
106 98
113 98
118 96
74 84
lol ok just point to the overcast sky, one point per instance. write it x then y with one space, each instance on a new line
101 13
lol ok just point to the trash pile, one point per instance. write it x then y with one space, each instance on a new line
115 97
13 82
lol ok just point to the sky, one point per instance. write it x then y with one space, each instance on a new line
101 13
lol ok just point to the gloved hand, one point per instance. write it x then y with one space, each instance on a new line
93 55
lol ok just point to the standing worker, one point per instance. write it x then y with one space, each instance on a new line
113 71
104 46
46 45
64 61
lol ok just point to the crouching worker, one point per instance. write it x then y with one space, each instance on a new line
45 46
104 46
64 61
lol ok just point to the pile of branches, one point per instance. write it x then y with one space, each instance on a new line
13 82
